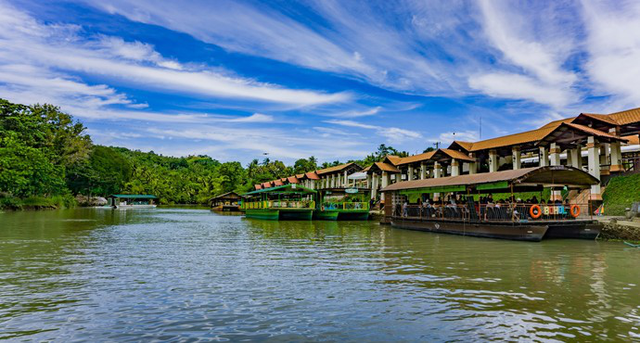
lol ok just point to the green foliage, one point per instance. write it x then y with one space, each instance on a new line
379 155
620 193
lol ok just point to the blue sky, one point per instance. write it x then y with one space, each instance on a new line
333 79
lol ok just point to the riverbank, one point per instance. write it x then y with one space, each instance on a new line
620 230
8 203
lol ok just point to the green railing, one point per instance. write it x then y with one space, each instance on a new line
364 206
278 204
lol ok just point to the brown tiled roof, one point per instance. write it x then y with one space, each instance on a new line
257 187
266 184
633 140
293 179
461 156
393 159
334 169
543 175
601 117
516 138
593 131
300 176
415 158
312 176
626 117
278 183
464 145
555 123
386 167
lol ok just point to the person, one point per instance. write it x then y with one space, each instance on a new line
404 209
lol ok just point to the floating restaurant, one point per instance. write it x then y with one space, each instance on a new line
598 145
464 205
227 202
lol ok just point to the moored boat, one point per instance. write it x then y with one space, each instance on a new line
464 213
227 202
286 202
342 204
124 201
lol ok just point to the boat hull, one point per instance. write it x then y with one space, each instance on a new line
326 214
574 229
353 215
511 231
280 214
265 214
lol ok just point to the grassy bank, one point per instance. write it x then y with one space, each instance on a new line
621 192
37 203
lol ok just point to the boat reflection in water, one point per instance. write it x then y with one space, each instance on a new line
457 207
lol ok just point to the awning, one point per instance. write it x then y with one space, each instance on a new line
357 176
537 176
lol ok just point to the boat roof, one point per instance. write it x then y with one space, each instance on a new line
526 177
229 195
132 196
290 188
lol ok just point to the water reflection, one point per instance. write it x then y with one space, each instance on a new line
187 273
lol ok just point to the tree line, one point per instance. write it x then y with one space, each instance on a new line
46 158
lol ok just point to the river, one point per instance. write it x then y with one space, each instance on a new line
182 274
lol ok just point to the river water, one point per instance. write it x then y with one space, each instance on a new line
187 274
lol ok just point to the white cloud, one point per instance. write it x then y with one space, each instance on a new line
26 41
537 62
613 44
392 134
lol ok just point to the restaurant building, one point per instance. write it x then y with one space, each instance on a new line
600 144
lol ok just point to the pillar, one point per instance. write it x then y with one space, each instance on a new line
410 173
594 166
423 170
455 167
369 180
436 169
374 187
493 161
616 157
544 157
516 159
555 154
346 180
473 166
576 157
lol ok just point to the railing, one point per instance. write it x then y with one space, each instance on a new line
277 204
517 212
345 206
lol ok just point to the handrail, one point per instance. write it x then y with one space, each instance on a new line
345 206
515 212
278 204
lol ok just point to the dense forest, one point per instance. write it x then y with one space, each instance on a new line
47 160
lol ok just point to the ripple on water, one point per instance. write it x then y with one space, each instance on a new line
169 274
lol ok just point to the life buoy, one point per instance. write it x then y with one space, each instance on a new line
575 211
535 211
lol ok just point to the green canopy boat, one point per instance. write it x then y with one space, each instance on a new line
289 201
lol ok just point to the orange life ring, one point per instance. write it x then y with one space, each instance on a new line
575 211
537 214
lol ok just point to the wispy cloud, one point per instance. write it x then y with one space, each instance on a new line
392 134
27 41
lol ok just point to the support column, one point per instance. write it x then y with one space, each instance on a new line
516 159
576 157
410 173
616 158
493 161
436 169
555 154
473 166
455 167
594 166
374 187
544 157
423 170
345 184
